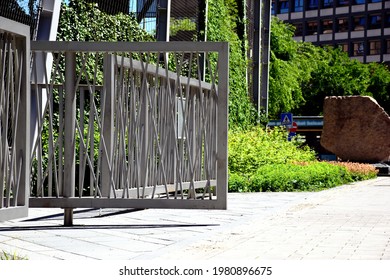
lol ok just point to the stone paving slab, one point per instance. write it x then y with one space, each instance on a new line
347 222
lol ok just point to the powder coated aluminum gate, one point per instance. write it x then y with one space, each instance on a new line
129 125
14 119
116 125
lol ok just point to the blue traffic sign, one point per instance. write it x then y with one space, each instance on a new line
286 118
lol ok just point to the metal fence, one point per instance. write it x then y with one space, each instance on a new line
130 125
14 119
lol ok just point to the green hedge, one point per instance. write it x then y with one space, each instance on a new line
289 177
263 160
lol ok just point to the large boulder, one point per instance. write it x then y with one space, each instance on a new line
356 128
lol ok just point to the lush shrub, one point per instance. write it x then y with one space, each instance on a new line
249 150
263 160
298 177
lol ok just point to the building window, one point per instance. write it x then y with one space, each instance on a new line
298 5
273 8
375 47
358 48
359 2
311 28
388 46
375 1
298 28
312 4
342 25
359 23
327 26
327 3
375 22
283 7
387 21
341 3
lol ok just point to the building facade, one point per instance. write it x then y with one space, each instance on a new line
359 27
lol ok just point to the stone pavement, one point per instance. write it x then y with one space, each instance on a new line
347 222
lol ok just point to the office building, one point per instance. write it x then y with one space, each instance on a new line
359 27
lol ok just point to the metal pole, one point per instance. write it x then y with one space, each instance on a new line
69 134
256 54
163 17
261 53
265 55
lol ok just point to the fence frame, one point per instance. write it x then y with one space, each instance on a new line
69 201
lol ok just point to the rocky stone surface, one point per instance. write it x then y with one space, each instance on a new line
356 128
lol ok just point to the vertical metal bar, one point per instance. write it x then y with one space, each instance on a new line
108 123
61 142
82 149
222 125
69 136
92 182
144 128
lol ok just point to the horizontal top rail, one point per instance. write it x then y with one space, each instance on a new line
73 46
6 25
160 72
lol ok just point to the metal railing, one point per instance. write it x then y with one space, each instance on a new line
14 119
130 125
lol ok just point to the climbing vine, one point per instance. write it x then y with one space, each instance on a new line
222 27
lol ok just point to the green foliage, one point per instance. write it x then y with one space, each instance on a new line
379 84
263 160
80 21
334 74
297 177
249 150
184 24
289 69
221 28
302 75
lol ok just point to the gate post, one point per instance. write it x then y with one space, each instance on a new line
22 138
15 119
69 134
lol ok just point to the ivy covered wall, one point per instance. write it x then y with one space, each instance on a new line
223 25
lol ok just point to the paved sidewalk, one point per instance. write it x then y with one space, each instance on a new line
347 222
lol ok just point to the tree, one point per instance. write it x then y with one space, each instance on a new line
333 74
290 67
302 75
379 85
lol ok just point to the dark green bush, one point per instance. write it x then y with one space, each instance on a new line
298 177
